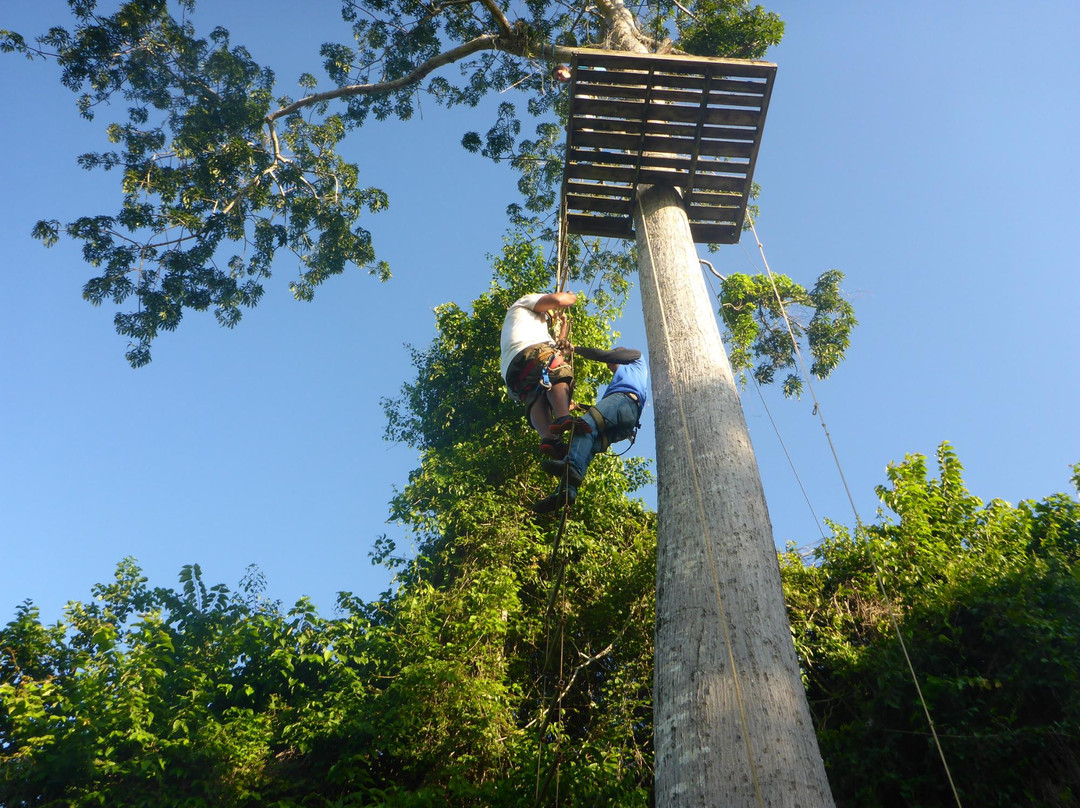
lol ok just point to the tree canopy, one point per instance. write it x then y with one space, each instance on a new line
218 172
987 601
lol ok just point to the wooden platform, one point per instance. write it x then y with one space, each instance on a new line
685 121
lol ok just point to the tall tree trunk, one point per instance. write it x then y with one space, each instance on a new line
732 727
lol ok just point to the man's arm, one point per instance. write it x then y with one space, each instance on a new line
556 300
618 356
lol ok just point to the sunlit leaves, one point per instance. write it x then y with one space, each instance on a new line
987 599
200 174
728 28
759 310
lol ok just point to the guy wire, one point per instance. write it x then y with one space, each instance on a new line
858 521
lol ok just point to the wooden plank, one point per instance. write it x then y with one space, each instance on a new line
603 226
674 63
697 213
600 204
620 227
662 143
658 161
714 199
636 110
625 175
662 95
632 110
588 81
715 233
720 182
596 189
658 128
654 161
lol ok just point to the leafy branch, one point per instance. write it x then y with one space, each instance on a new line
753 310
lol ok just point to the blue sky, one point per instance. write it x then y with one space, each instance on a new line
926 149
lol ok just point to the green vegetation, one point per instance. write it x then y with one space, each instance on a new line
502 651
987 599
493 657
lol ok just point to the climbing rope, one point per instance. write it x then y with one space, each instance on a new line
542 784
858 521
558 553
724 624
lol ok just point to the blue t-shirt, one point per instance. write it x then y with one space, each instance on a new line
631 378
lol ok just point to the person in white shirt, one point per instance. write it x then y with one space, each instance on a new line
536 372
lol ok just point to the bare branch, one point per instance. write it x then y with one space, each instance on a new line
497 13
508 43
485 42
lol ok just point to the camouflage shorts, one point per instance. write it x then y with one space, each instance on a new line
526 370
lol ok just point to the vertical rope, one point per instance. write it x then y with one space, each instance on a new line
562 258
776 429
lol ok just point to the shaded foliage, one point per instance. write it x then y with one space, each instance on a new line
444 692
987 599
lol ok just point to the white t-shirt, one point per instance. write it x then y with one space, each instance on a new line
521 328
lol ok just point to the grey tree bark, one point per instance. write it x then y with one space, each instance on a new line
732 726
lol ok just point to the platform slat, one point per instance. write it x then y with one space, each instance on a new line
674 63
626 176
600 204
594 81
667 96
599 189
680 113
603 226
663 144
661 128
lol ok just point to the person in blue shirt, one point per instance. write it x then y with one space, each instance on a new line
615 417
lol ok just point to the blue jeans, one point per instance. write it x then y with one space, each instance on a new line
620 413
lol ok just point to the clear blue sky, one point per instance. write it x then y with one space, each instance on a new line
926 149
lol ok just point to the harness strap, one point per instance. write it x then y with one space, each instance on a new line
601 429
553 361
601 426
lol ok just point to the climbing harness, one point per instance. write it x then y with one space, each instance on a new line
601 426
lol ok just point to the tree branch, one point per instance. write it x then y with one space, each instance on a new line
622 30
485 42
508 42
497 13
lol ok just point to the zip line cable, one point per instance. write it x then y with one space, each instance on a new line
776 429
858 521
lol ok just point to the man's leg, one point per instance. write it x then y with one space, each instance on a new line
540 418
558 398
583 448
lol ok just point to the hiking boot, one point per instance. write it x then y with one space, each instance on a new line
559 499
563 469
